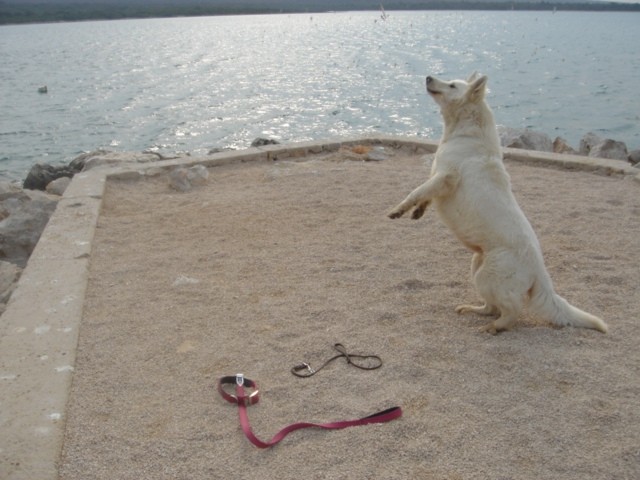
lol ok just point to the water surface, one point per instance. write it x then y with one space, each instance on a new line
192 84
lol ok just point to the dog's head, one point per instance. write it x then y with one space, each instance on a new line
463 107
449 94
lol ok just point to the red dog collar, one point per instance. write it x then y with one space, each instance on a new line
240 397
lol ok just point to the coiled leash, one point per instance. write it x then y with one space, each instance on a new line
363 362
246 393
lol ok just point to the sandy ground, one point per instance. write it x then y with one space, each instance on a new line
270 264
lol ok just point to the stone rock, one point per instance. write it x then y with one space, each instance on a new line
376 154
525 139
183 179
587 142
79 162
560 145
9 275
178 179
8 190
260 142
592 145
41 174
634 157
184 280
24 215
58 186
219 150
612 149
198 175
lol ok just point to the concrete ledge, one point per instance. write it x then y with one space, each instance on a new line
39 334
570 162
39 329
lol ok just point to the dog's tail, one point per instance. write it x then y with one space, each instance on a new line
552 307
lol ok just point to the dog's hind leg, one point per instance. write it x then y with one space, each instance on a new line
501 324
509 302
438 185
487 308
501 285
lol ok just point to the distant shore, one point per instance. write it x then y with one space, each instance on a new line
12 12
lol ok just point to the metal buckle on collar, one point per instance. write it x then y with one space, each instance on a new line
251 399
242 385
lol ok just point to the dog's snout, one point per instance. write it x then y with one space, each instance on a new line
429 80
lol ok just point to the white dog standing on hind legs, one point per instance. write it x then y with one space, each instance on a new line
471 191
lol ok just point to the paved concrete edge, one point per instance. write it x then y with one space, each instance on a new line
39 329
39 334
603 166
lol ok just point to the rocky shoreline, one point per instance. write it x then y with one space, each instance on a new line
25 211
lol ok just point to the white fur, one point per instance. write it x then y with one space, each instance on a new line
471 191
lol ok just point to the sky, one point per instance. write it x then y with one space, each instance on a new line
264 1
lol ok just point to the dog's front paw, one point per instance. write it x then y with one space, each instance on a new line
396 213
418 212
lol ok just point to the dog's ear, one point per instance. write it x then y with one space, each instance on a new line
472 77
477 88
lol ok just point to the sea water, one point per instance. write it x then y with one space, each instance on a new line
194 84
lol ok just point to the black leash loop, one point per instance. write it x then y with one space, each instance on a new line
363 362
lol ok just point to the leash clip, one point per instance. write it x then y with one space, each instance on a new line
305 366
308 371
363 362
239 379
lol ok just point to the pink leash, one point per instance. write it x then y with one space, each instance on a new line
242 399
